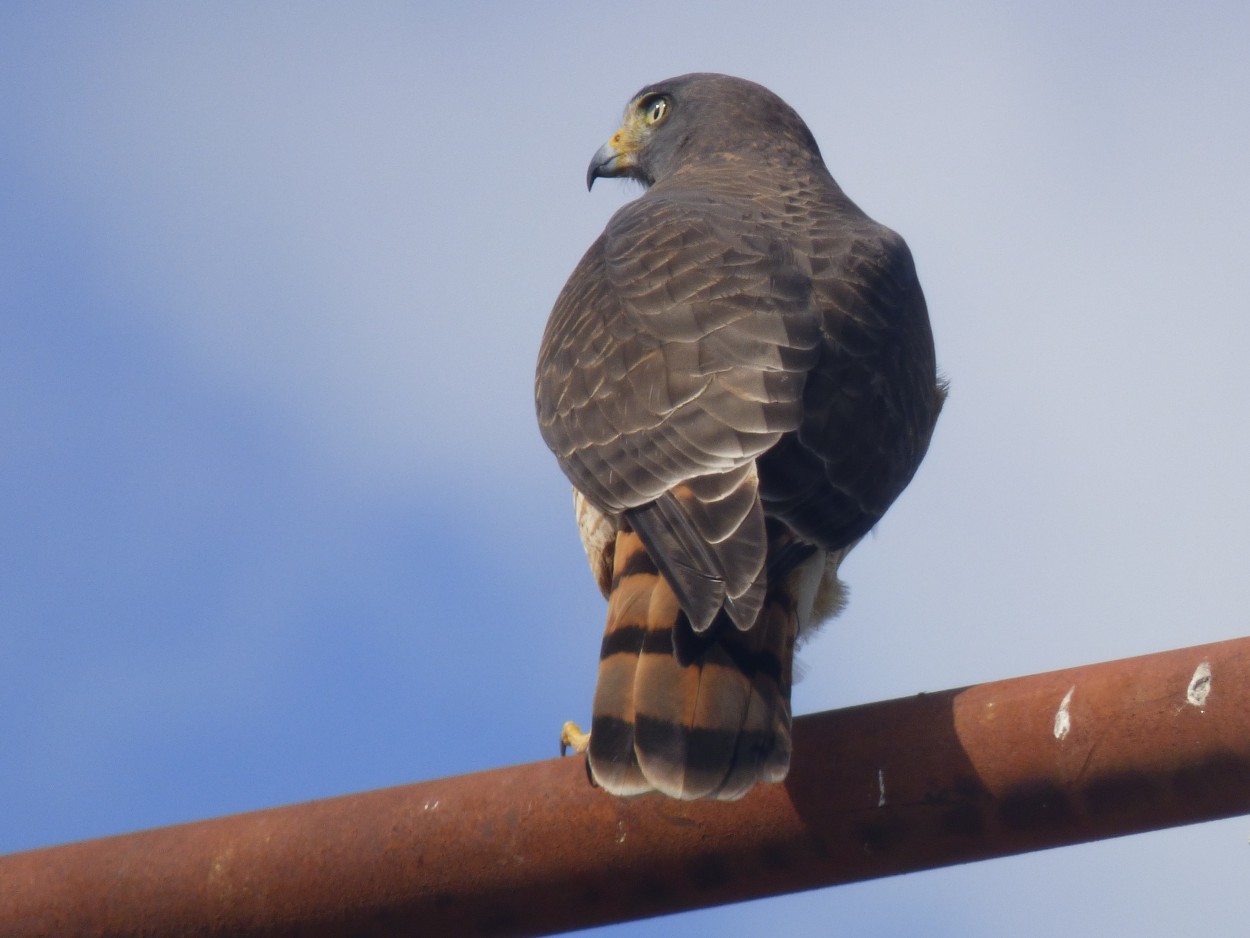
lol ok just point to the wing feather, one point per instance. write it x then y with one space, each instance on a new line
678 351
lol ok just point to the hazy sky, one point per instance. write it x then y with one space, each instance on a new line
276 522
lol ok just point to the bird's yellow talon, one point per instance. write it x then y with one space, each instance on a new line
572 737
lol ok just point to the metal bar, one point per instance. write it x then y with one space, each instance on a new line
886 788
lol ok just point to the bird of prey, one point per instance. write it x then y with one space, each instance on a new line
738 379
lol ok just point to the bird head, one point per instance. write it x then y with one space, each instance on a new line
694 117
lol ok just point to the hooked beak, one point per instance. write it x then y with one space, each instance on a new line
609 160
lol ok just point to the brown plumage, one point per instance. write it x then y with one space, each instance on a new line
738 379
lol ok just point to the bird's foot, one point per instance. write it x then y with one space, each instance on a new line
572 737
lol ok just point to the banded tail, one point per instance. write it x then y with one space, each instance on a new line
693 715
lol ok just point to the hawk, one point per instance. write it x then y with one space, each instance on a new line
738 379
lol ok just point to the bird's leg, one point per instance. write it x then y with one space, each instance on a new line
572 737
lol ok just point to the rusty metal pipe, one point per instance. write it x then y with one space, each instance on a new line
885 788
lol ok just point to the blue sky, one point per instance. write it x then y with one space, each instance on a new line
275 519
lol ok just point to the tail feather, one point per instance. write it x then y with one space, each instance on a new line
694 715
611 753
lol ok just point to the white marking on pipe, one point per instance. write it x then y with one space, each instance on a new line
880 788
1063 719
1199 685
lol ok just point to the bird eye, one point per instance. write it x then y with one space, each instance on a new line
654 109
